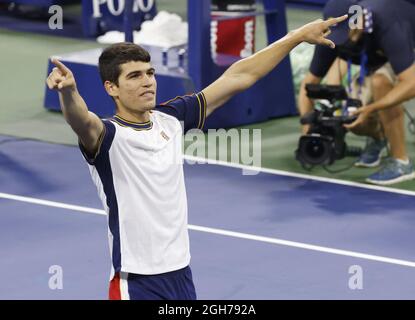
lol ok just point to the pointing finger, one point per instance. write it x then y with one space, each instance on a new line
333 21
62 68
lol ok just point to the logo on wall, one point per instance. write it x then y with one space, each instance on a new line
100 16
116 7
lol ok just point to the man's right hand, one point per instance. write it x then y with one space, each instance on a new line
84 123
61 78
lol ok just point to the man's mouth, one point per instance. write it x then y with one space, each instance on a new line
148 94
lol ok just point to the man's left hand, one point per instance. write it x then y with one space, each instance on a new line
363 113
316 32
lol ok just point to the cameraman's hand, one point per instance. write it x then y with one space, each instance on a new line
316 32
363 113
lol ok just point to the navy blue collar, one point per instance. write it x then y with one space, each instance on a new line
135 125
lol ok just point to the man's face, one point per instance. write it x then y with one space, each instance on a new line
137 86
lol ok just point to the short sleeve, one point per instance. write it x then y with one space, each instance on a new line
323 58
398 45
104 144
190 109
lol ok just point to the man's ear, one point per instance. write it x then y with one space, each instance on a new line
111 88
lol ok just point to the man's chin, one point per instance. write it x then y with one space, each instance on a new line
148 106
151 106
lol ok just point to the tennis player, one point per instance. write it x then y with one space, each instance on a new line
133 156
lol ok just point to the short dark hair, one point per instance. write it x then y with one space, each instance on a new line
117 54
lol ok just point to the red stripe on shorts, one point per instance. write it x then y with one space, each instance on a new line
115 289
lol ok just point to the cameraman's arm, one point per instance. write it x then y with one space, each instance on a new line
334 77
323 58
402 62
305 104
403 91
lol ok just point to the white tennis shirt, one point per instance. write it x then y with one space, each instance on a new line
138 172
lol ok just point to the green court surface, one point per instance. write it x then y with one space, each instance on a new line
23 67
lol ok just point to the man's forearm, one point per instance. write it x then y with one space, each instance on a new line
402 92
86 125
74 109
244 73
305 104
261 63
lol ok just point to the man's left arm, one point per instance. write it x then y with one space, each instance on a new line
395 41
403 91
244 73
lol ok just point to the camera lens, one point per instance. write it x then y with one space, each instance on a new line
315 148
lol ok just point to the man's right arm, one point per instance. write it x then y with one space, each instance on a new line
323 58
336 72
84 123
305 104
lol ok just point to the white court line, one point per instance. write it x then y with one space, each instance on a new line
299 175
51 203
227 233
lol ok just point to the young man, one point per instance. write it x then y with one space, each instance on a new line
133 158
385 50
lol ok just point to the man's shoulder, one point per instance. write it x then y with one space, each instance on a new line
376 4
166 112
386 10
164 116
160 111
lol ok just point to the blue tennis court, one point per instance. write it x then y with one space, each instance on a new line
264 236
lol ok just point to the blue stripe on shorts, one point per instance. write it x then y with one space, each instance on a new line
174 285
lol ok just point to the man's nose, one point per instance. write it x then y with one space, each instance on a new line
147 81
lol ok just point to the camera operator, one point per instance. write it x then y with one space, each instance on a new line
384 49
